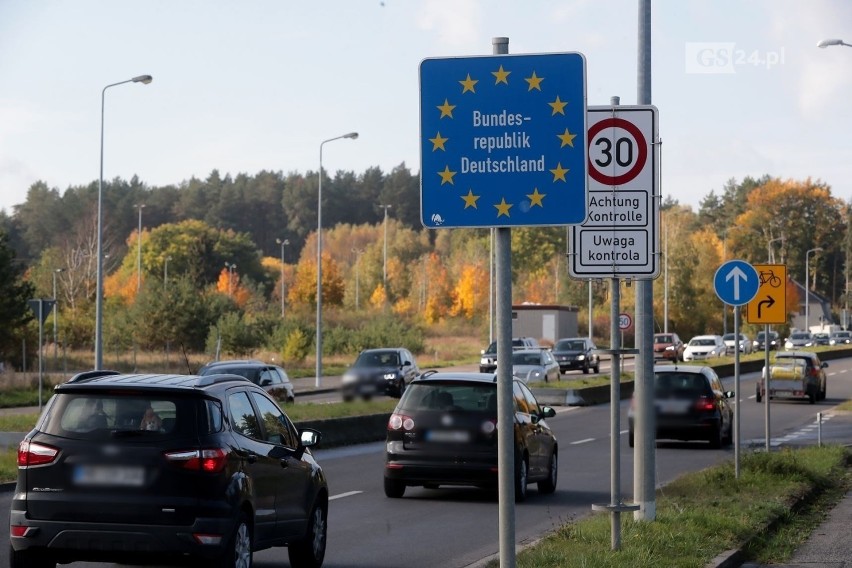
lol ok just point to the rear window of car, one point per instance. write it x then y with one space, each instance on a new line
449 396
680 384
94 415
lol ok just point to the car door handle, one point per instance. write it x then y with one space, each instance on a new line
285 462
248 456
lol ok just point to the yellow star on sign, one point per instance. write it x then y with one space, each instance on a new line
559 172
503 208
468 84
470 199
536 198
447 176
534 81
501 75
558 106
446 109
438 142
567 138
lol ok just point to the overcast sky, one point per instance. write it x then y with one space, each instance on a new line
741 87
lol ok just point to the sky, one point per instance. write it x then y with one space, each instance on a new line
741 87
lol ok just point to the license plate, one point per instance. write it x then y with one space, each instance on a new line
457 436
109 476
673 406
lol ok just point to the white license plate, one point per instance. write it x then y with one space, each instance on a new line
109 475
457 436
673 406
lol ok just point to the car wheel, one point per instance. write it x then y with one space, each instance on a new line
757 395
598 367
586 369
29 559
715 437
310 552
394 488
812 396
823 392
729 437
522 469
549 485
348 397
400 388
631 441
237 553
366 397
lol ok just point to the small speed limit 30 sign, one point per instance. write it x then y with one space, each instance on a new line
620 236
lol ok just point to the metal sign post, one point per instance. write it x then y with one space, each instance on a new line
736 283
41 307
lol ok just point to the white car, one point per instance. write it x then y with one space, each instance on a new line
730 343
704 347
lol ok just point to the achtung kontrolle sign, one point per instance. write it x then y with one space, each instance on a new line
503 140
620 237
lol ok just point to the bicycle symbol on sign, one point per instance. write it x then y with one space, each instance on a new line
768 277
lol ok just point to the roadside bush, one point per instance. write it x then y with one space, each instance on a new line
297 345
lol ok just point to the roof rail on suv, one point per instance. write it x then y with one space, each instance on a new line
208 380
88 375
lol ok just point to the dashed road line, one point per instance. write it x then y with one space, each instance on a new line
584 441
342 495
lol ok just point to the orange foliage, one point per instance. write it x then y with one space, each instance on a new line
121 285
465 296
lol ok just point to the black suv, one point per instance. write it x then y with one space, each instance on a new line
166 469
379 371
444 432
272 378
576 353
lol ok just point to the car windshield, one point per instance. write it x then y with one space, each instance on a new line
728 337
378 359
702 342
800 336
680 385
663 339
526 359
570 345
449 396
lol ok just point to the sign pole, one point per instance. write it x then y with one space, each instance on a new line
766 383
505 409
737 392
40 350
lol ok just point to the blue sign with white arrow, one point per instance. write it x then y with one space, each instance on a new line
736 282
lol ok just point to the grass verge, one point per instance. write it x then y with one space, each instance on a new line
579 382
701 515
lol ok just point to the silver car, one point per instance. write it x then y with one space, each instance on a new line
531 365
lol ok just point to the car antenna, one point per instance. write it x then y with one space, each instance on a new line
186 359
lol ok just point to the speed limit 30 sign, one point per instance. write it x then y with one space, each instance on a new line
620 237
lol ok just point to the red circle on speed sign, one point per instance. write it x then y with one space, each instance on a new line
641 157
624 321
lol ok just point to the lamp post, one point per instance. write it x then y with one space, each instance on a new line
770 252
139 206
231 268
283 243
358 254
385 256
807 286
99 294
353 136
828 42
55 315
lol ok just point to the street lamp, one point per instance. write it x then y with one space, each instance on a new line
55 314
139 206
770 252
353 136
231 268
283 243
807 287
99 294
827 42
385 263
358 254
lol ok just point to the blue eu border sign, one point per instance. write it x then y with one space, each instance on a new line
503 141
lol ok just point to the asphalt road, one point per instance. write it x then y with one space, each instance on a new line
457 527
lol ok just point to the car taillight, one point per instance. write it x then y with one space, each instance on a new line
210 460
31 453
814 372
705 404
400 421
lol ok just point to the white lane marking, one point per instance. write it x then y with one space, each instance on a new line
831 374
624 432
561 409
587 440
342 495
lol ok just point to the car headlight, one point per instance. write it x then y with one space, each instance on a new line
349 378
389 376
788 344
581 357
533 375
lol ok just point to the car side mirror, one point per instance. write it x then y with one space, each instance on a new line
406 363
264 382
824 365
309 437
729 394
547 412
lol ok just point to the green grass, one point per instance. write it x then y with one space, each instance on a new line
318 411
18 422
580 382
702 514
8 465
13 398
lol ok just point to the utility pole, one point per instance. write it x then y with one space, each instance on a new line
385 263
